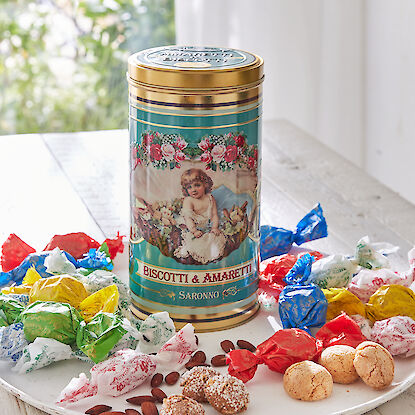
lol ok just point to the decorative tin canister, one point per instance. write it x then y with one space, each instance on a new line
195 178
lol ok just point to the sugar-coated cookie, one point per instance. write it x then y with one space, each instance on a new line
194 382
374 364
227 394
338 360
181 405
308 381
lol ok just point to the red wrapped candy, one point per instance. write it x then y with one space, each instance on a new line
273 289
77 244
115 245
275 269
280 351
341 330
315 254
13 252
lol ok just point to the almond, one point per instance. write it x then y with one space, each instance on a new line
158 394
172 378
227 346
196 360
98 409
138 400
149 408
156 380
243 344
218 360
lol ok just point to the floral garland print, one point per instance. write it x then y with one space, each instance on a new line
224 152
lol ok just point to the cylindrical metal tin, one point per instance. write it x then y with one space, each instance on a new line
195 128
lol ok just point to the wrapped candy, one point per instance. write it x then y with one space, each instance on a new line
106 300
12 342
30 278
114 245
332 271
342 330
58 321
13 252
42 352
127 369
57 263
59 289
280 351
100 335
269 291
96 259
397 334
77 244
389 301
278 241
364 324
341 300
274 269
155 330
302 305
36 260
367 256
10 309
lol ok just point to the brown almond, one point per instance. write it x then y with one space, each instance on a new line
156 380
158 394
172 378
196 360
218 360
149 408
138 400
132 412
243 344
227 346
98 409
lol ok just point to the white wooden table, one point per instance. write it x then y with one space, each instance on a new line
60 183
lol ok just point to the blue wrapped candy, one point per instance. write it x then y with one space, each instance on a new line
96 259
36 260
278 241
302 305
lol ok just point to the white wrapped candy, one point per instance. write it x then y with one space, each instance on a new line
367 256
57 263
397 334
12 342
364 324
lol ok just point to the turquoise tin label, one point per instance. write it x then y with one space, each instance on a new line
194 209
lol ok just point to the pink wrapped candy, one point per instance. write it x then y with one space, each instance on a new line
397 334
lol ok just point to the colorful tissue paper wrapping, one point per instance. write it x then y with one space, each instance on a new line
57 263
13 252
367 256
390 301
105 300
12 342
341 300
342 330
30 278
280 351
57 321
59 289
274 269
302 305
96 259
278 241
77 244
115 245
10 308
397 334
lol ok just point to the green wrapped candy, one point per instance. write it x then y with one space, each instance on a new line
11 309
3 320
59 321
100 335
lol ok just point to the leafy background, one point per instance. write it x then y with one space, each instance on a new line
63 62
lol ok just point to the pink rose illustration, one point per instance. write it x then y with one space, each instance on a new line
148 139
256 154
206 157
231 153
168 151
251 163
204 144
240 140
180 143
179 156
218 152
155 152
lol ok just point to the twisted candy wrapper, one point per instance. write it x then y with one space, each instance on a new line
278 241
13 252
57 263
96 259
390 301
367 256
273 270
397 334
30 278
341 330
302 305
12 342
155 330
77 244
59 289
280 351
127 369
10 309
341 300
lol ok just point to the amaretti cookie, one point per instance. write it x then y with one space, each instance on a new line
308 381
194 382
181 405
338 360
374 364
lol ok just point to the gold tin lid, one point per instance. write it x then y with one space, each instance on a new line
191 67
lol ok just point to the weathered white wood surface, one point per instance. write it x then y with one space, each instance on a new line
59 183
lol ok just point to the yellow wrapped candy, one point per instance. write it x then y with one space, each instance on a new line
390 301
30 278
59 289
340 299
106 300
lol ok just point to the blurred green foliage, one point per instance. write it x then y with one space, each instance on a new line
63 62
